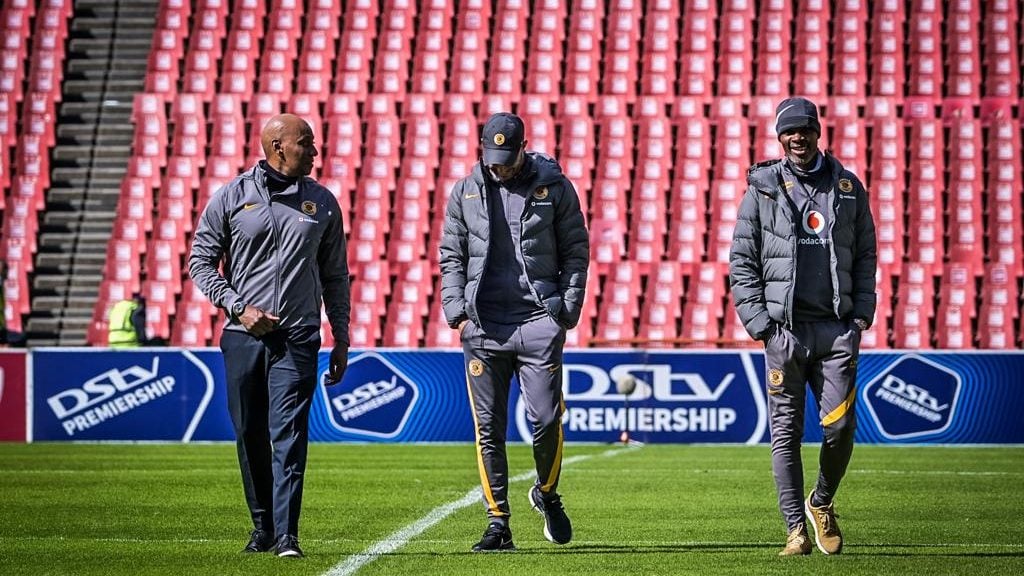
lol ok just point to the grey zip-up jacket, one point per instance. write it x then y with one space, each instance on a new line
554 244
762 263
283 254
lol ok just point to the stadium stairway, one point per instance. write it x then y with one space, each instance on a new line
108 46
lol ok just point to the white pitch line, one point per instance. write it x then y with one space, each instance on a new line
400 538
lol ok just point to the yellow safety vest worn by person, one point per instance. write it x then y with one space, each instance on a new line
122 331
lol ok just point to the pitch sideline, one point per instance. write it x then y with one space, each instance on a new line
401 537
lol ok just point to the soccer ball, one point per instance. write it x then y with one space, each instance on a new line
625 385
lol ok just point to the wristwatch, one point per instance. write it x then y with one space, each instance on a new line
237 309
861 323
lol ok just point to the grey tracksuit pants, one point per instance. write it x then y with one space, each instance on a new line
532 351
824 356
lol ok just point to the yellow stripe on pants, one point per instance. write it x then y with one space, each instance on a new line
841 410
485 483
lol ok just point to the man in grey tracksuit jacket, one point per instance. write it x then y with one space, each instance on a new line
802 274
514 260
280 237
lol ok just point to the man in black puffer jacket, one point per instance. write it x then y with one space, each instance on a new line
514 258
802 272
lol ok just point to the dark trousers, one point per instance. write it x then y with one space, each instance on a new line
270 384
532 352
822 356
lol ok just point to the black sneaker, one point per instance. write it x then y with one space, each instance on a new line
497 538
259 541
557 527
288 547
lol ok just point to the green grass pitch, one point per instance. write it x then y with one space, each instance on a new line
141 509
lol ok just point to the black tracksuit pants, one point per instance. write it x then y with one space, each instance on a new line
270 385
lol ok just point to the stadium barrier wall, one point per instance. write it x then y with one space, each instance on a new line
13 405
692 396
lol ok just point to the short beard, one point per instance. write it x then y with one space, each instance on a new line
804 165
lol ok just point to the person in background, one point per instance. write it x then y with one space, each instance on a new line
280 237
514 257
802 274
126 323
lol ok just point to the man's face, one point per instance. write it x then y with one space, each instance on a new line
504 173
296 149
800 145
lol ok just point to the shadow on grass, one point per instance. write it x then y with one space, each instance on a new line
861 550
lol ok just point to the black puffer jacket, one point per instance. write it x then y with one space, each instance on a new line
762 264
555 245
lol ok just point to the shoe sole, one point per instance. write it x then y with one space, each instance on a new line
289 554
540 510
814 524
510 548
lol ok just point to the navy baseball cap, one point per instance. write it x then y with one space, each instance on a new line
502 139
796 113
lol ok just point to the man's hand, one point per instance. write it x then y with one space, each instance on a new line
257 322
338 364
462 326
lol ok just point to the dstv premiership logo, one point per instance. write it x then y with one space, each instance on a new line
108 396
374 399
914 397
666 401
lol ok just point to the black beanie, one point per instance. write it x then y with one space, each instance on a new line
796 113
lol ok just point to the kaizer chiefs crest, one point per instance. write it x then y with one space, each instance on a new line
309 208
541 193
499 139
845 185
775 377
476 367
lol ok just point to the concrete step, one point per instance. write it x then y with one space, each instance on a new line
107 184
53 262
52 303
45 326
90 43
56 286
82 65
98 221
83 90
73 337
66 196
71 155
105 151
95 76
49 282
69 132
77 325
70 174
83 305
115 173
134 38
